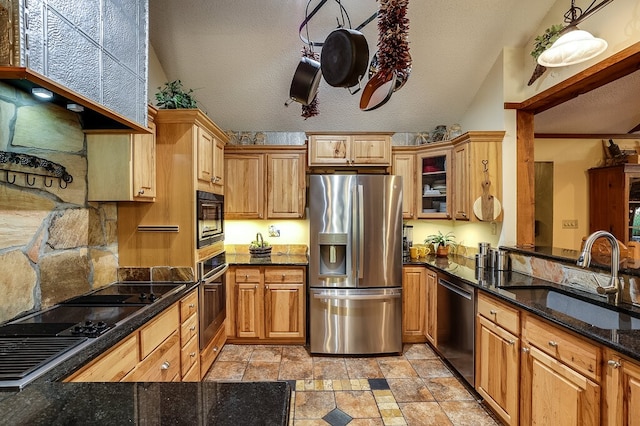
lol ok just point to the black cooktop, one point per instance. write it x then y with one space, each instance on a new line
123 294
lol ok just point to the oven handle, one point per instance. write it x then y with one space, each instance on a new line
454 288
356 297
215 274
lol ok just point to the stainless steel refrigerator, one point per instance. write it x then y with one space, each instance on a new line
355 265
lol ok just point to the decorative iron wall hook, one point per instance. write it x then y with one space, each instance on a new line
12 180
50 182
50 169
26 179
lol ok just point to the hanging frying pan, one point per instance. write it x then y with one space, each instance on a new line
378 90
344 57
306 80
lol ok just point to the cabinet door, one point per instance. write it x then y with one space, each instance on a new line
144 166
370 149
434 186
244 192
205 157
285 186
218 165
414 304
405 165
284 310
554 394
248 310
432 314
329 149
497 369
462 209
622 386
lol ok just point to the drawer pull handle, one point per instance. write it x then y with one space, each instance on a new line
165 365
283 276
246 277
192 305
267 286
614 364
215 349
493 312
510 342
192 354
141 192
192 328
525 350
553 344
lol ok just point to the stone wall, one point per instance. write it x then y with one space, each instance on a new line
53 243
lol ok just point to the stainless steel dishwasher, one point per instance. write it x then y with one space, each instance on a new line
456 306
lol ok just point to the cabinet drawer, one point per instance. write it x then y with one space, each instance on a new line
162 364
189 355
189 305
192 375
578 354
499 313
248 275
283 276
210 353
112 366
158 330
188 329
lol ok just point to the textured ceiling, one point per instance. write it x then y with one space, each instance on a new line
240 57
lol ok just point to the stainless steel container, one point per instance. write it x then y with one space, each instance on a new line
483 251
502 261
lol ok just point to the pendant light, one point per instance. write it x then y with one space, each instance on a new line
575 45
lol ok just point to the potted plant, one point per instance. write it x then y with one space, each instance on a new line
441 242
174 96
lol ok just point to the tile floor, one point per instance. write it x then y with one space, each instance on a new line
415 388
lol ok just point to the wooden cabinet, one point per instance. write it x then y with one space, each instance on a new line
404 164
560 376
357 149
268 303
210 162
151 353
163 232
477 167
189 349
614 201
414 304
498 357
122 167
433 190
622 391
431 316
265 182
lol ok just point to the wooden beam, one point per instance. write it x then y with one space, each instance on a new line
526 210
587 135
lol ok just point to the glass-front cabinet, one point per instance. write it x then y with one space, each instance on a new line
434 185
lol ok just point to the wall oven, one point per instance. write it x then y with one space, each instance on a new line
209 218
212 296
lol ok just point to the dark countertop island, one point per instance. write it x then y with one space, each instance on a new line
204 403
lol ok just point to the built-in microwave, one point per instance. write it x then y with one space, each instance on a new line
209 218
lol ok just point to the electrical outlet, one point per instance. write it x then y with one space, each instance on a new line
570 224
273 231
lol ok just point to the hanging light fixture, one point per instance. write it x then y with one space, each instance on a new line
575 45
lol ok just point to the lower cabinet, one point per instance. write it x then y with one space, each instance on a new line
414 304
431 316
560 376
622 390
498 357
267 303
163 350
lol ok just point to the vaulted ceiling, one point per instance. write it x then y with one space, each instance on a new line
240 57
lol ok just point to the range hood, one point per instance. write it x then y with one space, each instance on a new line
94 118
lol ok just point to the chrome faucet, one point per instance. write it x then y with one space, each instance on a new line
613 289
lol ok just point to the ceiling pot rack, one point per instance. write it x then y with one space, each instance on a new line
51 170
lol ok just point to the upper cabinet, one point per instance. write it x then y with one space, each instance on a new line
122 167
404 164
347 150
210 162
433 191
477 176
265 182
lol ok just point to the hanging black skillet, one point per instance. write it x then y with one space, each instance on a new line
306 80
344 57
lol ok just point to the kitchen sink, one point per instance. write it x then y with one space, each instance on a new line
588 312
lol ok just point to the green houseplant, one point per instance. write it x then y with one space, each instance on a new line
441 242
173 96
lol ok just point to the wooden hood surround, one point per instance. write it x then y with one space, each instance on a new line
616 66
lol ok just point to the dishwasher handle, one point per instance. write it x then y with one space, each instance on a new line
456 289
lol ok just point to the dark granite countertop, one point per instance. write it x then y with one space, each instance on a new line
199 403
529 293
276 259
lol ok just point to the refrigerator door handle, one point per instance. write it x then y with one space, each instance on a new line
360 232
357 297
